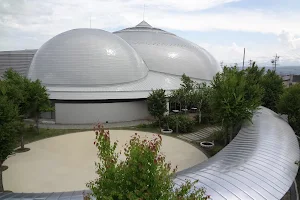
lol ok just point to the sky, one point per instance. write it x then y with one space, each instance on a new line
223 27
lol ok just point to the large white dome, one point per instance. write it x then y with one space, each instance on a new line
86 57
165 52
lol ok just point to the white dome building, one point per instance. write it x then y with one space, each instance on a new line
93 75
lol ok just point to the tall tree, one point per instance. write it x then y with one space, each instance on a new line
17 91
273 89
229 99
39 101
8 122
157 104
289 104
254 76
200 97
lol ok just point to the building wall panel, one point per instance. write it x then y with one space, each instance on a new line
90 113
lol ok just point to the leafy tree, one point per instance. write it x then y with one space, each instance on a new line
39 101
200 97
254 90
157 104
8 122
178 97
144 174
273 88
289 104
17 90
229 99
187 83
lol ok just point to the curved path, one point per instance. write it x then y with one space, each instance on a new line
66 163
258 164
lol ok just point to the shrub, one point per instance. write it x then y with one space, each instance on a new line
144 174
185 123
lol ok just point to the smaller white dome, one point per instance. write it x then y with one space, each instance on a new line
88 57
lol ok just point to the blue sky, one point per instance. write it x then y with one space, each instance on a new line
223 27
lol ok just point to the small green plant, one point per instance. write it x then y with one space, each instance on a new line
144 174
185 123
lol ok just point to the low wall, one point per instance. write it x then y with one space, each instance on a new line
90 113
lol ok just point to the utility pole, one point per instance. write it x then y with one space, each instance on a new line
275 60
221 64
90 22
144 13
250 63
244 58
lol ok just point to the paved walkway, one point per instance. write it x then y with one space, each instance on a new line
66 163
199 135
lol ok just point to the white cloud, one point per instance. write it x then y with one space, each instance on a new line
230 54
28 24
289 40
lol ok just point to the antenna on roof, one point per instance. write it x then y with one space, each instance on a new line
90 22
144 13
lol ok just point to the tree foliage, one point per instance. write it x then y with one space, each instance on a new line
231 100
200 98
144 174
30 97
157 104
8 122
289 104
17 90
273 89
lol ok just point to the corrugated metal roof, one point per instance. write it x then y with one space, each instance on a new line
137 89
17 60
258 164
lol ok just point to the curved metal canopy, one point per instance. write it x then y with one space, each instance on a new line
258 164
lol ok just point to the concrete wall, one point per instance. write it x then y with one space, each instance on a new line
90 113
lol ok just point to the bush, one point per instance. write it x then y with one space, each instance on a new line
144 174
185 123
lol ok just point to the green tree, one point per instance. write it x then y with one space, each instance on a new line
8 122
157 104
229 99
289 104
17 90
200 97
254 90
185 91
144 174
39 101
187 83
273 89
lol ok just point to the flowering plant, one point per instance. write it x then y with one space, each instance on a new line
144 174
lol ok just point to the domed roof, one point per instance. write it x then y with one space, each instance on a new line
165 52
86 57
